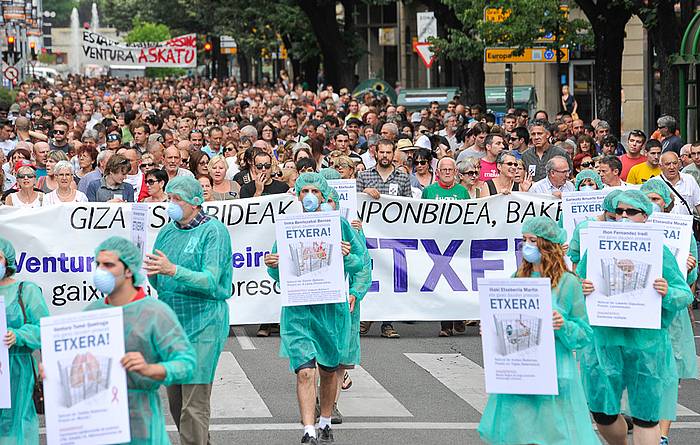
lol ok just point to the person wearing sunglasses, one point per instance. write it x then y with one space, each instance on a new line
345 166
59 137
505 182
26 196
638 360
261 172
469 176
156 180
112 187
423 174
148 163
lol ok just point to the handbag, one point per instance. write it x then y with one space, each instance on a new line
38 390
696 217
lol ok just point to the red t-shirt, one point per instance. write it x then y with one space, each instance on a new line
140 295
628 163
489 170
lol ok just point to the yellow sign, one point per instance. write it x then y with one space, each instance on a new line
530 55
496 15
229 51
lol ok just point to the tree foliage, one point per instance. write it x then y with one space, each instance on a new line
152 32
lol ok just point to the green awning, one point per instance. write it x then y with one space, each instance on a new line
689 52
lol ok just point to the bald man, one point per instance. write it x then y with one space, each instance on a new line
40 153
683 186
171 163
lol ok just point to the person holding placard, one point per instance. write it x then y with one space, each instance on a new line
639 360
574 251
548 419
190 267
24 306
317 334
680 330
157 349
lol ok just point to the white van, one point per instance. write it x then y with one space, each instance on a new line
46 73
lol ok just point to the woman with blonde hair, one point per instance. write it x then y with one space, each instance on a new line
27 194
469 176
222 189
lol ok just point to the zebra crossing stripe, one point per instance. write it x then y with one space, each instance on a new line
368 398
459 374
233 394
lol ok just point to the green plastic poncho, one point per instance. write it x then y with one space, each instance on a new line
199 289
319 331
128 254
553 420
152 328
20 424
639 360
588 174
574 252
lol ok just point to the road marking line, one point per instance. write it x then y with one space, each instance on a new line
243 339
233 394
459 374
368 398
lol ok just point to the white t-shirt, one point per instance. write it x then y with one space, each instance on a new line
232 169
136 181
52 199
688 189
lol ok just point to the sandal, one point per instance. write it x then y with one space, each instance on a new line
347 382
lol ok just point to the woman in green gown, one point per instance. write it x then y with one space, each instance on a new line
561 419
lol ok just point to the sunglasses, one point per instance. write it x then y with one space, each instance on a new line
26 176
112 137
628 212
152 181
185 161
263 166
148 164
227 149
277 175
421 162
587 164
510 164
471 173
59 132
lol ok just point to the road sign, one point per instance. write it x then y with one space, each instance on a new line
530 55
227 42
427 25
425 53
11 73
496 15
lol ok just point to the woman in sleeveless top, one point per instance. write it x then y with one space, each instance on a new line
505 182
469 176
27 195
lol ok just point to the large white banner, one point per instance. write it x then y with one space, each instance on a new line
427 255
5 399
178 52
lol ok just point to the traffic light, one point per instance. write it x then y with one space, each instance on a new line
207 47
32 47
11 44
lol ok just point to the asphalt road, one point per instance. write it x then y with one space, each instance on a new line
416 389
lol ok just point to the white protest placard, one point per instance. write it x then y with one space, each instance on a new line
678 229
139 226
311 262
623 262
347 189
177 52
85 386
517 336
5 401
577 207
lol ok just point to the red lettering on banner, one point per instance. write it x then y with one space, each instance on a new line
188 40
166 55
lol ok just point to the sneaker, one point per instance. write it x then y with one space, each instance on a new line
264 330
364 327
308 439
325 435
388 331
445 333
336 417
275 328
459 327
663 441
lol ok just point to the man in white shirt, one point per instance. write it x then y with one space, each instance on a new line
609 168
555 182
450 131
685 190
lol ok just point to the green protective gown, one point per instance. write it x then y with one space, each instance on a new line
549 420
199 289
152 328
19 425
320 331
640 360
359 285
574 252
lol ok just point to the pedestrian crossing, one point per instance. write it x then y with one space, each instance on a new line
234 395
